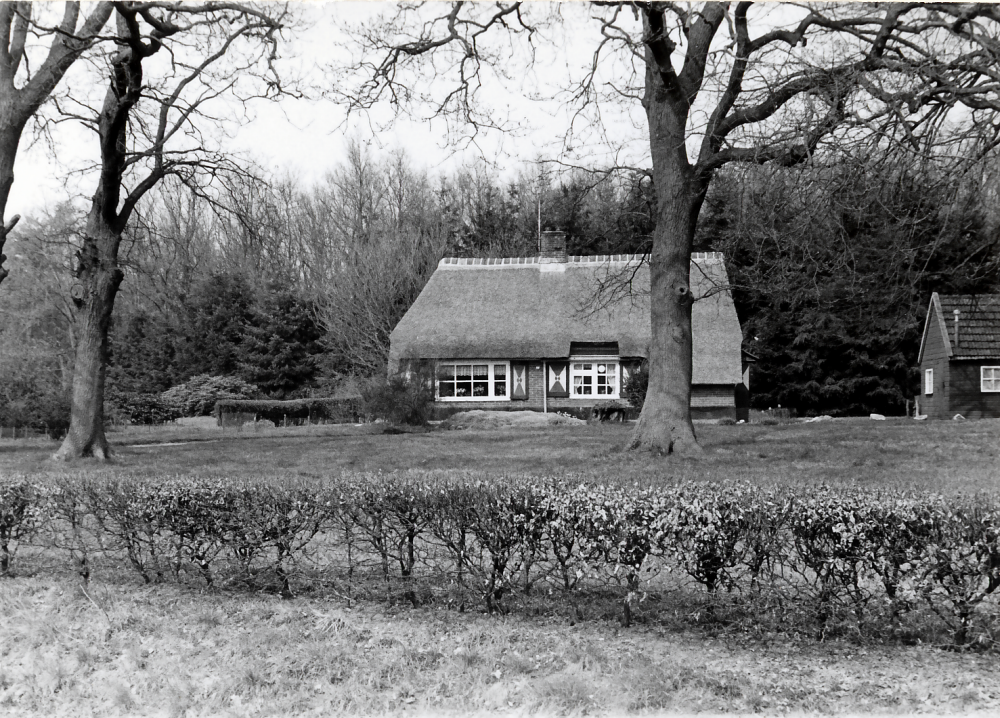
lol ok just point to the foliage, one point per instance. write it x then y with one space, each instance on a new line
635 384
198 395
278 350
139 408
399 399
43 408
828 556
19 516
279 412
833 267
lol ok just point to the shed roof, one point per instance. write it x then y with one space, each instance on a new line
978 324
524 308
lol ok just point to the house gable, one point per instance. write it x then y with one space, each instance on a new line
956 363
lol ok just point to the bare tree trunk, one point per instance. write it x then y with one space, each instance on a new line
19 104
94 296
10 135
664 425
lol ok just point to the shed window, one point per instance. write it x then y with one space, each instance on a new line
596 377
989 377
928 381
473 381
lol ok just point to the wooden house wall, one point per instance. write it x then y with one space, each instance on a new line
965 391
935 357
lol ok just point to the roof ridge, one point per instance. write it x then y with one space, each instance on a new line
572 259
980 295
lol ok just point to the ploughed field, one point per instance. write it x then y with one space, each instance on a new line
318 602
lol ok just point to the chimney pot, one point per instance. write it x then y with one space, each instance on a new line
957 313
552 246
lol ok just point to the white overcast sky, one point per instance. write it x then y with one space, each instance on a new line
306 138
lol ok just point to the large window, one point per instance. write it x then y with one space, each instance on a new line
928 381
989 378
594 378
474 381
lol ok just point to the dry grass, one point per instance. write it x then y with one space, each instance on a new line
167 651
935 456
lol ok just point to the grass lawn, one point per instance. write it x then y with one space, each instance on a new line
942 457
176 650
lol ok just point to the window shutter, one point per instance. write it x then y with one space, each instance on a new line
557 381
519 386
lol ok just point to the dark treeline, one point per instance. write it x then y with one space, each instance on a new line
833 266
295 288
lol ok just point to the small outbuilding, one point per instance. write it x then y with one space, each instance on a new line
561 333
960 357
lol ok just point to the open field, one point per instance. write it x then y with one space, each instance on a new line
177 649
942 457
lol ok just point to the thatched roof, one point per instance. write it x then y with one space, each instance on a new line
978 325
523 308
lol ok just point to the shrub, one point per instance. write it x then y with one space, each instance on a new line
18 518
400 399
140 408
828 558
47 412
635 385
198 395
298 411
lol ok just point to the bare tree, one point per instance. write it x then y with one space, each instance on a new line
384 240
149 129
718 83
23 90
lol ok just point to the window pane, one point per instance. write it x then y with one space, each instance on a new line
500 388
481 388
463 388
499 371
463 370
480 371
446 388
446 371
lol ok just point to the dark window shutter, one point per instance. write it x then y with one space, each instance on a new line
557 379
519 383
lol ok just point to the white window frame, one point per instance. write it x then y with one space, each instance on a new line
928 382
594 373
491 381
994 380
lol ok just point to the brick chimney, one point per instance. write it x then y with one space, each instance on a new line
552 246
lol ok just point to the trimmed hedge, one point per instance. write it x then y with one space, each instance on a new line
235 412
856 560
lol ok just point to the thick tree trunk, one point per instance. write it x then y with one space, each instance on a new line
98 279
10 134
665 425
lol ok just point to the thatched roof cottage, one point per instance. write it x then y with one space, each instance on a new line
559 333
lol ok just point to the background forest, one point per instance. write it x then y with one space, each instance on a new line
294 289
